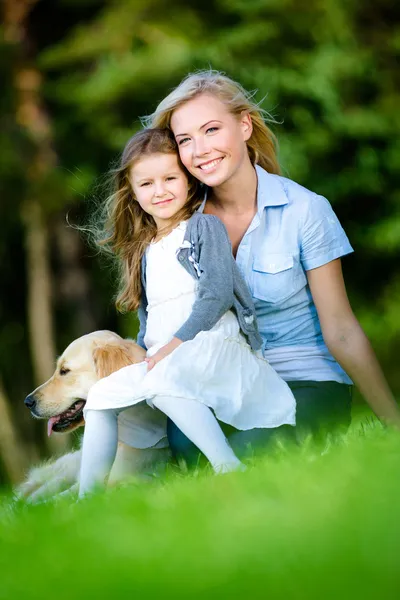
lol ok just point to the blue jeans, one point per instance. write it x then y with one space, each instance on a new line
322 407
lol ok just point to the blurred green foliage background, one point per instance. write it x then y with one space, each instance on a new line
78 74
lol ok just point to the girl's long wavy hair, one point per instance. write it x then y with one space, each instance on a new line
262 145
126 229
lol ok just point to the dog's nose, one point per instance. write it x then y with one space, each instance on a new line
30 401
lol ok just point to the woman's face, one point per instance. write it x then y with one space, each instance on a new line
211 141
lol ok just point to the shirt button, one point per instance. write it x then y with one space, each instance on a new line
181 258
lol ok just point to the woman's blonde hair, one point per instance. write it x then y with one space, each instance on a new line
126 229
262 145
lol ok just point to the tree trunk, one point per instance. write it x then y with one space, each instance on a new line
11 450
39 308
31 115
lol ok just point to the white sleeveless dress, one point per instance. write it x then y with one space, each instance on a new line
217 367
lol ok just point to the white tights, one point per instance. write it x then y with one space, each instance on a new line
193 418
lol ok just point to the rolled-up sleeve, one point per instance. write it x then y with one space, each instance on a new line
322 238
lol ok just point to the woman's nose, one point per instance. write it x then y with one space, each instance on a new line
200 147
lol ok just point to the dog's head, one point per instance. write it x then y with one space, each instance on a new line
89 358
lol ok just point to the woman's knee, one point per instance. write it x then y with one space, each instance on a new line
250 443
322 407
181 446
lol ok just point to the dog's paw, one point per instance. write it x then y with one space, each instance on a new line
37 477
50 479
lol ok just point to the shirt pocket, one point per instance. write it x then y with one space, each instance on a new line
274 277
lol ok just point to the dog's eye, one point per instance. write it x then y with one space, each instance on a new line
64 371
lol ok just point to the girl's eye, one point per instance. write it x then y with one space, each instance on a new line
212 129
145 184
183 141
170 178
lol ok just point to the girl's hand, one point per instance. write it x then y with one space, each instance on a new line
163 352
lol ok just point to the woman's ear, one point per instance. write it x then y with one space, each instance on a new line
246 125
110 358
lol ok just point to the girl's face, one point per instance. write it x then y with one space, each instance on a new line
160 186
211 141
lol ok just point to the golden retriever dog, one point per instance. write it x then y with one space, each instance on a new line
61 401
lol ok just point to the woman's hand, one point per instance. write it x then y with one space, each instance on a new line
163 352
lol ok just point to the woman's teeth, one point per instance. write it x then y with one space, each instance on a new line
210 165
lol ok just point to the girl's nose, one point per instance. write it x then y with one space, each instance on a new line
159 189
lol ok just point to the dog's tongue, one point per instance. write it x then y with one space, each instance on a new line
50 424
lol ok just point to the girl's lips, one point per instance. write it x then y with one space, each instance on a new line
163 202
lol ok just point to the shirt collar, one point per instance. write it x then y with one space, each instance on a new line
270 191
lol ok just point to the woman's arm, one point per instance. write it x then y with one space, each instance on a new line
347 341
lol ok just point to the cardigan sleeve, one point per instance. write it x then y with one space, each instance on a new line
215 292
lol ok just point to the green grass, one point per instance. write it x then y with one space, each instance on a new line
298 524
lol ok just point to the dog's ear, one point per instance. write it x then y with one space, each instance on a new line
136 352
110 358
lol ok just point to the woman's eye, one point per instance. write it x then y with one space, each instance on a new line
64 371
211 129
182 141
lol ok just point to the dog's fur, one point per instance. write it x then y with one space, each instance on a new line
61 400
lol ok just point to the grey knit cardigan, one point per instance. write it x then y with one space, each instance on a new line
206 254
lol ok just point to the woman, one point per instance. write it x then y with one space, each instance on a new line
288 244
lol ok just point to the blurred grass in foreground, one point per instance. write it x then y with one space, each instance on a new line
299 524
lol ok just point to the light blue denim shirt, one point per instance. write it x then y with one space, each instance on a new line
293 231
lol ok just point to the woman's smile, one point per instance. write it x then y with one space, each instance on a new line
210 165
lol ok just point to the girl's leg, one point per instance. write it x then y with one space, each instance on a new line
100 439
198 423
99 448
322 408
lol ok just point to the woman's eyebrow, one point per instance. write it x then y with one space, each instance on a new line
201 127
208 122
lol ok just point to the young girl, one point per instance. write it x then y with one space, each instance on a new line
196 318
